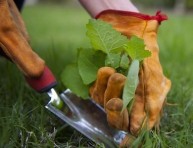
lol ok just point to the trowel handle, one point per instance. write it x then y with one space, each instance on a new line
44 83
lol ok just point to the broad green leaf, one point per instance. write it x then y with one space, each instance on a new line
136 49
89 61
131 83
113 60
103 37
72 80
107 49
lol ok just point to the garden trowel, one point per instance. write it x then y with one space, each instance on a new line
82 114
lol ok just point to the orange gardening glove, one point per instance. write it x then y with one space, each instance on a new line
153 85
14 41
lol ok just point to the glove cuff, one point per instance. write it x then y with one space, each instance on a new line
158 16
135 24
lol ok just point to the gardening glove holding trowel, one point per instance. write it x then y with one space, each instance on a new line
153 85
14 45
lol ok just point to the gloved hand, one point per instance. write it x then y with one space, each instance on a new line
14 41
153 85
14 46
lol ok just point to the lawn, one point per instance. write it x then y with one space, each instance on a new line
56 32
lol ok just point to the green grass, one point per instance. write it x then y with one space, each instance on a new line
56 32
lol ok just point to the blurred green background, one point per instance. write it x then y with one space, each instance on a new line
187 5
57 29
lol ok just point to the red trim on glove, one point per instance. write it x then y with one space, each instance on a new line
159 17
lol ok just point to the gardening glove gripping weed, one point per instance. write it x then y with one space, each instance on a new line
14 41
153 85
